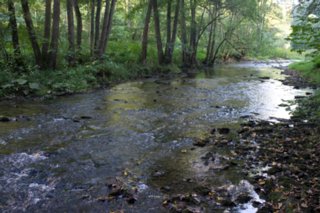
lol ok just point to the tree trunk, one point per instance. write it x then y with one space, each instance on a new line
104 27
14 33
71 52
97 30
206 61
79 24
143 57
157 30
4 52
213 44
46 34
169 54
92 2
31 32
193 34
184 35
168 43
55 35
108 16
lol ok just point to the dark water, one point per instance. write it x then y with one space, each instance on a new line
59 154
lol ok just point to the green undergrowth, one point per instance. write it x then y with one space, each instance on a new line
48 83
275 53
308 69
309 108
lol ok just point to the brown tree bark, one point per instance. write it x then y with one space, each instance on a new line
193 35
144 49
70 17
4 52
97 25
168 43
79 24
46 34
157 30
107 24
173 36
55 35
184 35
14 34
31 32
92 15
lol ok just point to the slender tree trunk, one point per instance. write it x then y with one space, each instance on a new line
209 45
157 30
168 43
79 24
71 53
31 32
92 2
211 59
55 35
217 51
104 27
3 47
46 34
109 11
184 35
174 33
143 57
14 33
193 34
97 27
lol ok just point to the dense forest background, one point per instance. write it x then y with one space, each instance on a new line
63 46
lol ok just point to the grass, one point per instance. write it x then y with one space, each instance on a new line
310 70
275 53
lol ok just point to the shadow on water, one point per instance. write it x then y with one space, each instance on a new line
58 155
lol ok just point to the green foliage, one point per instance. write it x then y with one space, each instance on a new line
124 52
276 53
308 69
305 34
72 80
316 61
306 66
309 108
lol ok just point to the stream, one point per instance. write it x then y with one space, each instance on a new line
57 155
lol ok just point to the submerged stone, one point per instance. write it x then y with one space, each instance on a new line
4 119
224 131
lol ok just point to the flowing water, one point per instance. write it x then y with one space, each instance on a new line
58 155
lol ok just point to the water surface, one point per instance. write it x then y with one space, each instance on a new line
59 154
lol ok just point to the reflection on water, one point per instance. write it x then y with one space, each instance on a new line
60 156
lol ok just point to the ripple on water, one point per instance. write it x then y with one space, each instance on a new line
16 182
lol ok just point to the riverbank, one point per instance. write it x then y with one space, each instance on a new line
281 158
46 84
